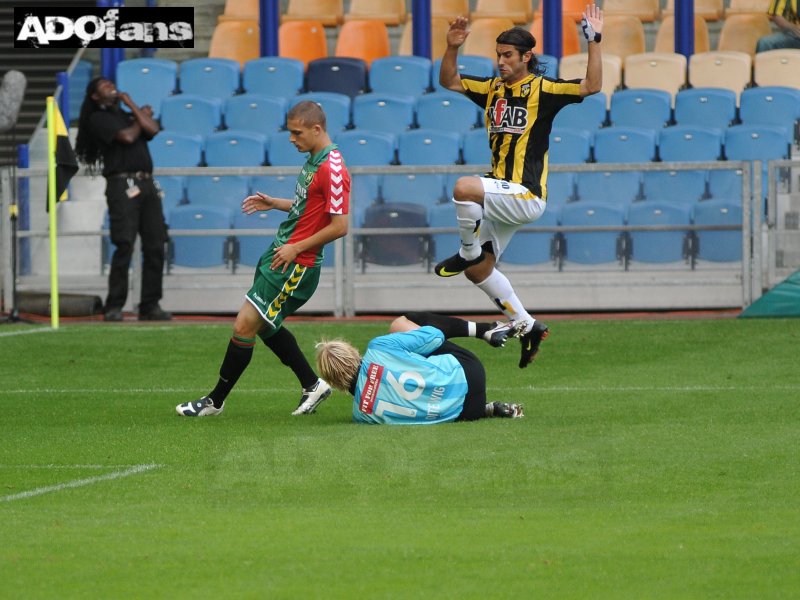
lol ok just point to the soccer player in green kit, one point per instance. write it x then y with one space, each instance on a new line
288 272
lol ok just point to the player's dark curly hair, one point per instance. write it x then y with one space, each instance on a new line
86 146
523 41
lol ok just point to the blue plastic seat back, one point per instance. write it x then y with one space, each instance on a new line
445 244
176 149
591 247
475 147
426 189
624 145
678 187
428 147
641 107
618 188
364 190
468 64
529 248
256 112
705 107
277 186
560 189
409 75
448 111
771 106
78 80
550 64
173 190
366 148
337 74
689 143
380 111
726 184
148 81
199 251
282 153
569 145
337 108
225 191
589 114
757 142
214 77
658 246
191 114
719 246
275 76
252 247
235 148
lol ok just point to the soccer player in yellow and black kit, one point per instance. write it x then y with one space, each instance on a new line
519 106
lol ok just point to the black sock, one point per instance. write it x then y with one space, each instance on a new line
285 347
237 357
451 327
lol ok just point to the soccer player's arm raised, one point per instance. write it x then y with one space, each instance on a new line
448 73
592 25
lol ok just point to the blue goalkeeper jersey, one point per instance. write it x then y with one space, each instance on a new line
399 383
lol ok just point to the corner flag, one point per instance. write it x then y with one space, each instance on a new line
66 163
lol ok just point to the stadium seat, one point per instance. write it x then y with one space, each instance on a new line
329 13
337 74
624 145
249 248
147 81
574 67
646 11
778 106
623 36
656 71
726 184
303 40
736 7
391 113
650 109
173 192
665 36
176 149
273 76
677 187
689 143
235 148
705 107
468 64
777 67
757 142
589 114
410 75
530 248
425 189
616 188
719 246
282 153
448 9
240 10
79 79
215 77
569 146
367 40
336 106
364 190
366 148
226 191
188 113
444 244
448 111
550 64
256 112
386 12
560 189
727 70
428 147
398 249
570 43
199 251
595 247
570 9
475 147
659 246
236 40
279 186
740 33
439 27
483 33
519 11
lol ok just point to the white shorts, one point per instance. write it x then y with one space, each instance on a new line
506 207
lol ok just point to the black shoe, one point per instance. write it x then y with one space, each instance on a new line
530 343
155 314
113 314
500 332
504 410
456 264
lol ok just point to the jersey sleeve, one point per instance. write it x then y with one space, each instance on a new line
421 341
334 183
477 89
559 93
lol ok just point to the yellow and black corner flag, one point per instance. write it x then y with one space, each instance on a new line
66 163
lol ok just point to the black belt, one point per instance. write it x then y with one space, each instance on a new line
136 175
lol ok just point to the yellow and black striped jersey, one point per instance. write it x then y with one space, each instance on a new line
519 118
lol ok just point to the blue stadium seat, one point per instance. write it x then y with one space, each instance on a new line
444 244
390 113
448 111
756 142
282 153
256 112
560 189
468 64
78 81
191 114
210 77
678 187
641 107
689 143
475 147
408 75
592 247
252 247
550 64
199 251
336 106
337 74
173 189
618 188
225 191
148 81
364 190
569 145
235 148
278 186
176 149
624 145
366 148
396 249
428 147
274 76
719 246
726 184
426 189
589 114
529 248
705 107
659 246
779 106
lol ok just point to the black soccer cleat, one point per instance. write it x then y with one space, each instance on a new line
504 410
530 343
500 332
456 264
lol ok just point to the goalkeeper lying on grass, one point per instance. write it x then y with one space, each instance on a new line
414 375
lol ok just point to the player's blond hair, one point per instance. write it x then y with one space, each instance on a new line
338 362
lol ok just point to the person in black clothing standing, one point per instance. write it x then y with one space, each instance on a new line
116 141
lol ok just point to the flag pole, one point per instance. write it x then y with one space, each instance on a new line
51 204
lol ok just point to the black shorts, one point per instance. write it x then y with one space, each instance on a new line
475 401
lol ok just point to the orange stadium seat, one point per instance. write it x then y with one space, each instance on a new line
665 37
777 67
236 40
439 27
623 36
328 12
738 7
519 11
727 70
364 39
571 9
449 9
389 12
302 40
741 32
646 11
483 33
656 71
240 10
709 10
574 67
570 43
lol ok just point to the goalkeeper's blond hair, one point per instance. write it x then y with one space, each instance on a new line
338 362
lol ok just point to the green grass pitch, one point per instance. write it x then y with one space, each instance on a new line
657 459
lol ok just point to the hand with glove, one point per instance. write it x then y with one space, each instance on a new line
592 23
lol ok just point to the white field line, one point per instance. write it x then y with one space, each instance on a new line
25 331
79 483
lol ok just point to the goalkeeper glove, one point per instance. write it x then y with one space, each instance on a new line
589 33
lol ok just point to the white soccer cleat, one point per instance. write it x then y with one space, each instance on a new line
199 408
312 398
